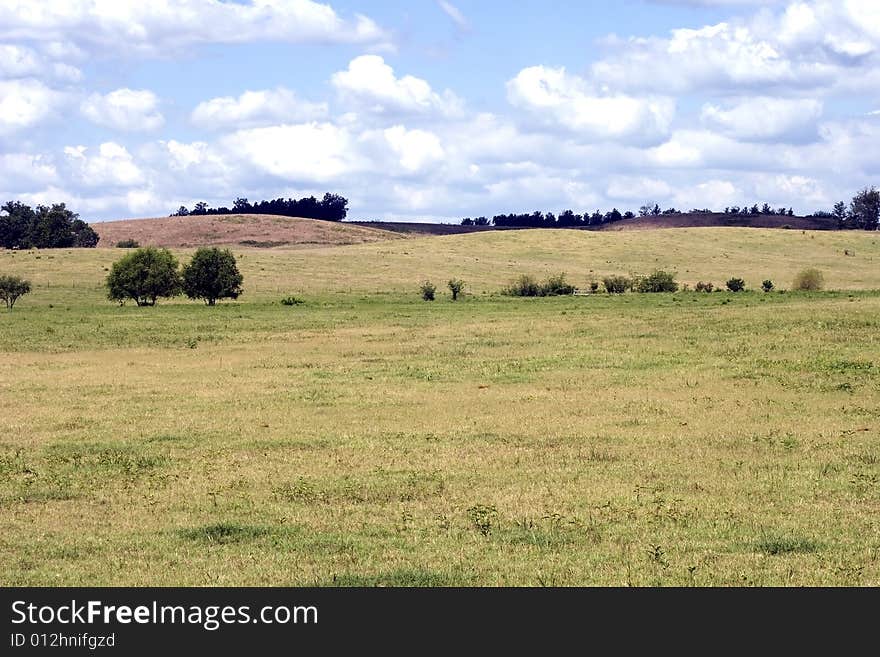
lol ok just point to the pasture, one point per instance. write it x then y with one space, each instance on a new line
369 438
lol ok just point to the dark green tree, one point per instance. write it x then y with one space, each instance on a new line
211 275
864 211
11 288
144 275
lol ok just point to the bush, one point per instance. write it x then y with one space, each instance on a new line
11 288
736 285
527 286
809 280
211 275
428 290
659 281
617 284
557 286
594 286
291 301
704 287
523 286
456 286
127 244
144 275
767 285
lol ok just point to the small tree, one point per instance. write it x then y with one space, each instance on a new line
428 290
809 280
144 275
736 285
839 213
864 211
11 288
702 286
211 275
455 286
767 285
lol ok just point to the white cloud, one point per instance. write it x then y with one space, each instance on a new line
26 171
312 152
554 96
370 83
638 189
762 118
124 109
158 27
18 61
112 166
415 149
255 108
810 45
25 103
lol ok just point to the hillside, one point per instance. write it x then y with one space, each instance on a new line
719 219
241 230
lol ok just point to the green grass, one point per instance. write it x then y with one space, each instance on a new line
367 438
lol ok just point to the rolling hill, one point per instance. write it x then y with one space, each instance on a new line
241 230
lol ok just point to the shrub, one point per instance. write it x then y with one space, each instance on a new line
736 285
291 301
127 244
594 286
767 285
455 286
144 275
704 287
211 275
809 280
527 286
11 288
659 281
617 284
428 290
523 286
557 286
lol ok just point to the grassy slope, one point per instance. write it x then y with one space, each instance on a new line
265 230
363 438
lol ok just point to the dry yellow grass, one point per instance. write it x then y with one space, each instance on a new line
370 438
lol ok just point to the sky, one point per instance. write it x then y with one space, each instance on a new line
433 110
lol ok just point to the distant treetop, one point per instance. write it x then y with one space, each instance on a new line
332 207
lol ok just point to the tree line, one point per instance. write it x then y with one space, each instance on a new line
863 212
43 227
332 207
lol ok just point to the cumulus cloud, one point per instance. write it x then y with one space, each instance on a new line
369 83
763 119
124 109
308 152
156 28
18 61
25 103
255 108
26 171
809 45
414 149
554 96
111 166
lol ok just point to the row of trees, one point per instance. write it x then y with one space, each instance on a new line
148 274
332 207
863 212
43 227
537 219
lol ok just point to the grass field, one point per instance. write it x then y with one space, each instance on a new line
367 437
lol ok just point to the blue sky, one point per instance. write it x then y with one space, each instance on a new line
432 110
